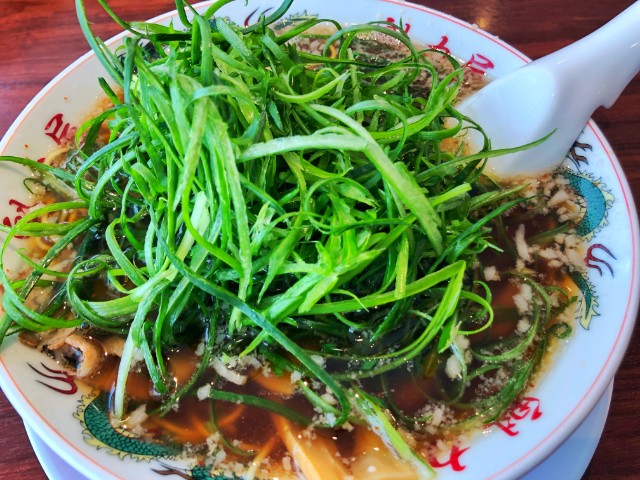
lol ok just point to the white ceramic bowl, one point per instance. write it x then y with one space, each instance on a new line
554 408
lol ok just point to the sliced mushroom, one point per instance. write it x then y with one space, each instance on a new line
58 338
30 339
49 339
88 354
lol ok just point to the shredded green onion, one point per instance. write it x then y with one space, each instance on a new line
300 203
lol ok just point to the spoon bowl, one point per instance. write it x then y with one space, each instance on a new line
556 94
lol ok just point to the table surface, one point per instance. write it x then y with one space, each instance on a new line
41 37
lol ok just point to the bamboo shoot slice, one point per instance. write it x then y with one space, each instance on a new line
374 461
317 459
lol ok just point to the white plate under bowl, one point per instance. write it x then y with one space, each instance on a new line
582 369
54 467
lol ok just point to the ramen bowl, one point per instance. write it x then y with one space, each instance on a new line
73 422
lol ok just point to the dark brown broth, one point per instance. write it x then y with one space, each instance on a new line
252 427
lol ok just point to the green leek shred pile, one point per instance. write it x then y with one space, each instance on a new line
296 205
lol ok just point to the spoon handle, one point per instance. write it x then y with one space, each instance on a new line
601 64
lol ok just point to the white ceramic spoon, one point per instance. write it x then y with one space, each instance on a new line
557 92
